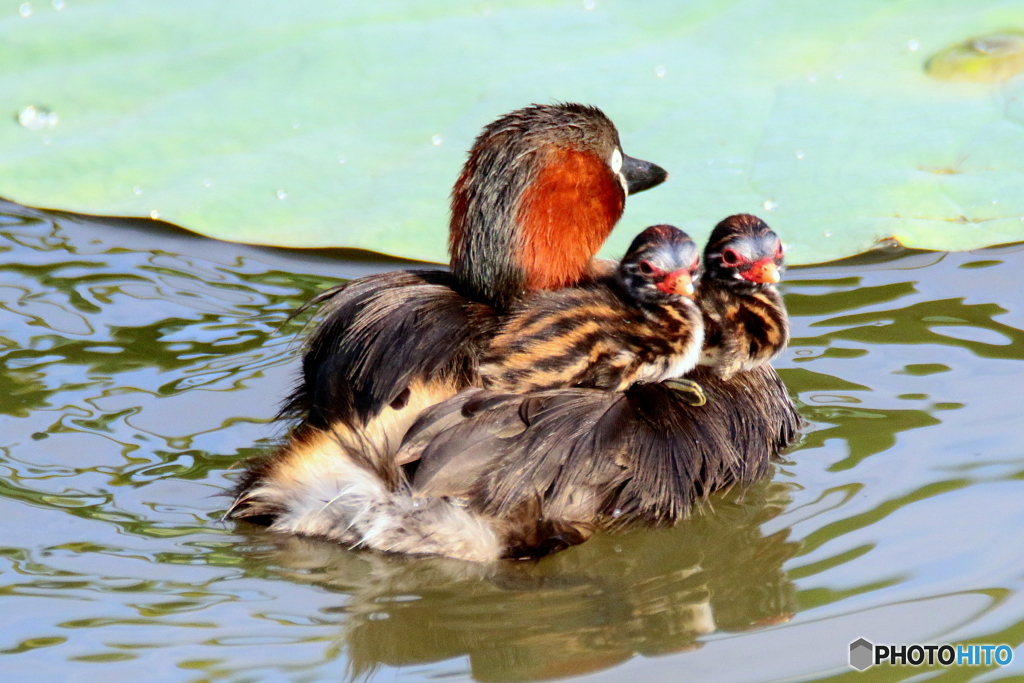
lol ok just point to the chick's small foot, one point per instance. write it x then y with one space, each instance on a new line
688 390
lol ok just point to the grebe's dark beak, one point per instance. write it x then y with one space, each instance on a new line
641 175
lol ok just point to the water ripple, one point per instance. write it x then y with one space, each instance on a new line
138 365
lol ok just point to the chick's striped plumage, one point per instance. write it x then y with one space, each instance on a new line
742 332
592 337
636 326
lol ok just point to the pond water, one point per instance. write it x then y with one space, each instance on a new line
140 363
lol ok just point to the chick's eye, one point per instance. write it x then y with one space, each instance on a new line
646 268
778 250
730 257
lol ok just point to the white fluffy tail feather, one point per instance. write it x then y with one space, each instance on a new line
323 491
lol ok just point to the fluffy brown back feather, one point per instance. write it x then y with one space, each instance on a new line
377 334
607 459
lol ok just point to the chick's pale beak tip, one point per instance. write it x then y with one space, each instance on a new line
769 273
679 282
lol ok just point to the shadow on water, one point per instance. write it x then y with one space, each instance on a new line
587 609
139 363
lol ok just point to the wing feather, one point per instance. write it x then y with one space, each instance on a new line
604 458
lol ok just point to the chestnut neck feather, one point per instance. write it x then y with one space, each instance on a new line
525 219
564 217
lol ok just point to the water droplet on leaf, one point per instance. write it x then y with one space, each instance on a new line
281 194
912 45
770 205
437 140
154 214
37 118
799 154
660 71
25 10
589 4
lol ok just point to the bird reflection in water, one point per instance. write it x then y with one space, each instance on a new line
586 609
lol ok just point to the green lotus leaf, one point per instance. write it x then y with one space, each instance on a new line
344 124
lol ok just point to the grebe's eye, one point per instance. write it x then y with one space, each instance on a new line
778 250
731 258
616 161
646 268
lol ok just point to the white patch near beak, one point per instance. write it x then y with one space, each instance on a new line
615 163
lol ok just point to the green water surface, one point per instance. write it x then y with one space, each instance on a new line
139 364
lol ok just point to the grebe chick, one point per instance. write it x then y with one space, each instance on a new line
744 315
638 325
